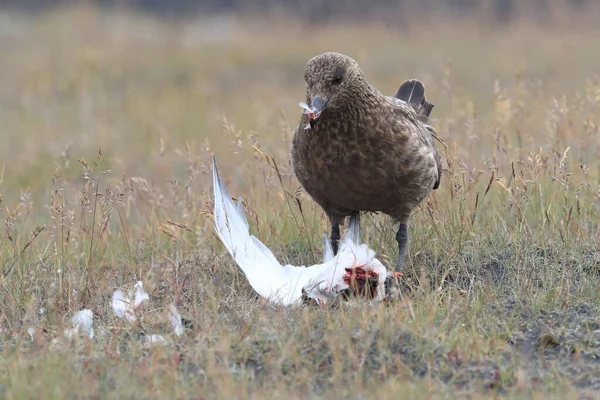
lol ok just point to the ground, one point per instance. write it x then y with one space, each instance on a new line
108 124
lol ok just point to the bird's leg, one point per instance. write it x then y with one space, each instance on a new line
335 237
402 239
392 289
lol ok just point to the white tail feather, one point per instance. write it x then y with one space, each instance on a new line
327 249
353 233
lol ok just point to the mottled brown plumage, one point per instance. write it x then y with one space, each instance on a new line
365 151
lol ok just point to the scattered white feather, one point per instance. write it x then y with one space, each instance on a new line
124 306
139 294
85 320
155 339
285 284
175 320
31 332
82 323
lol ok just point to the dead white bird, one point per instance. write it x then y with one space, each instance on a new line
353 269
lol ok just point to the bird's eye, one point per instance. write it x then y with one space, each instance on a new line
336 80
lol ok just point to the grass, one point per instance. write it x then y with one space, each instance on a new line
108 124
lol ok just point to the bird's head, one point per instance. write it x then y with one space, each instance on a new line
328 77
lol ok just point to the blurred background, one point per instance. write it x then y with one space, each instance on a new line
160 85
111 109
320 10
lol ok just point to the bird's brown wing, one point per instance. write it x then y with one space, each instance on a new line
425 132
427 135
438 161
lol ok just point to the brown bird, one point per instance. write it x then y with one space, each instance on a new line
357 149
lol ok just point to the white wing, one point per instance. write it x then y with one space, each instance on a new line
285 284
256 261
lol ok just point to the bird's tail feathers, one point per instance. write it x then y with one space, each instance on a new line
412 91
327 249
353 233
351 243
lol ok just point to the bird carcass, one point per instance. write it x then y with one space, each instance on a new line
353 270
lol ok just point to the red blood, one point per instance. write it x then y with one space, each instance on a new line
312 115
358 279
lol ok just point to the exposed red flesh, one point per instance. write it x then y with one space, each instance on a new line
362 282
312 115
